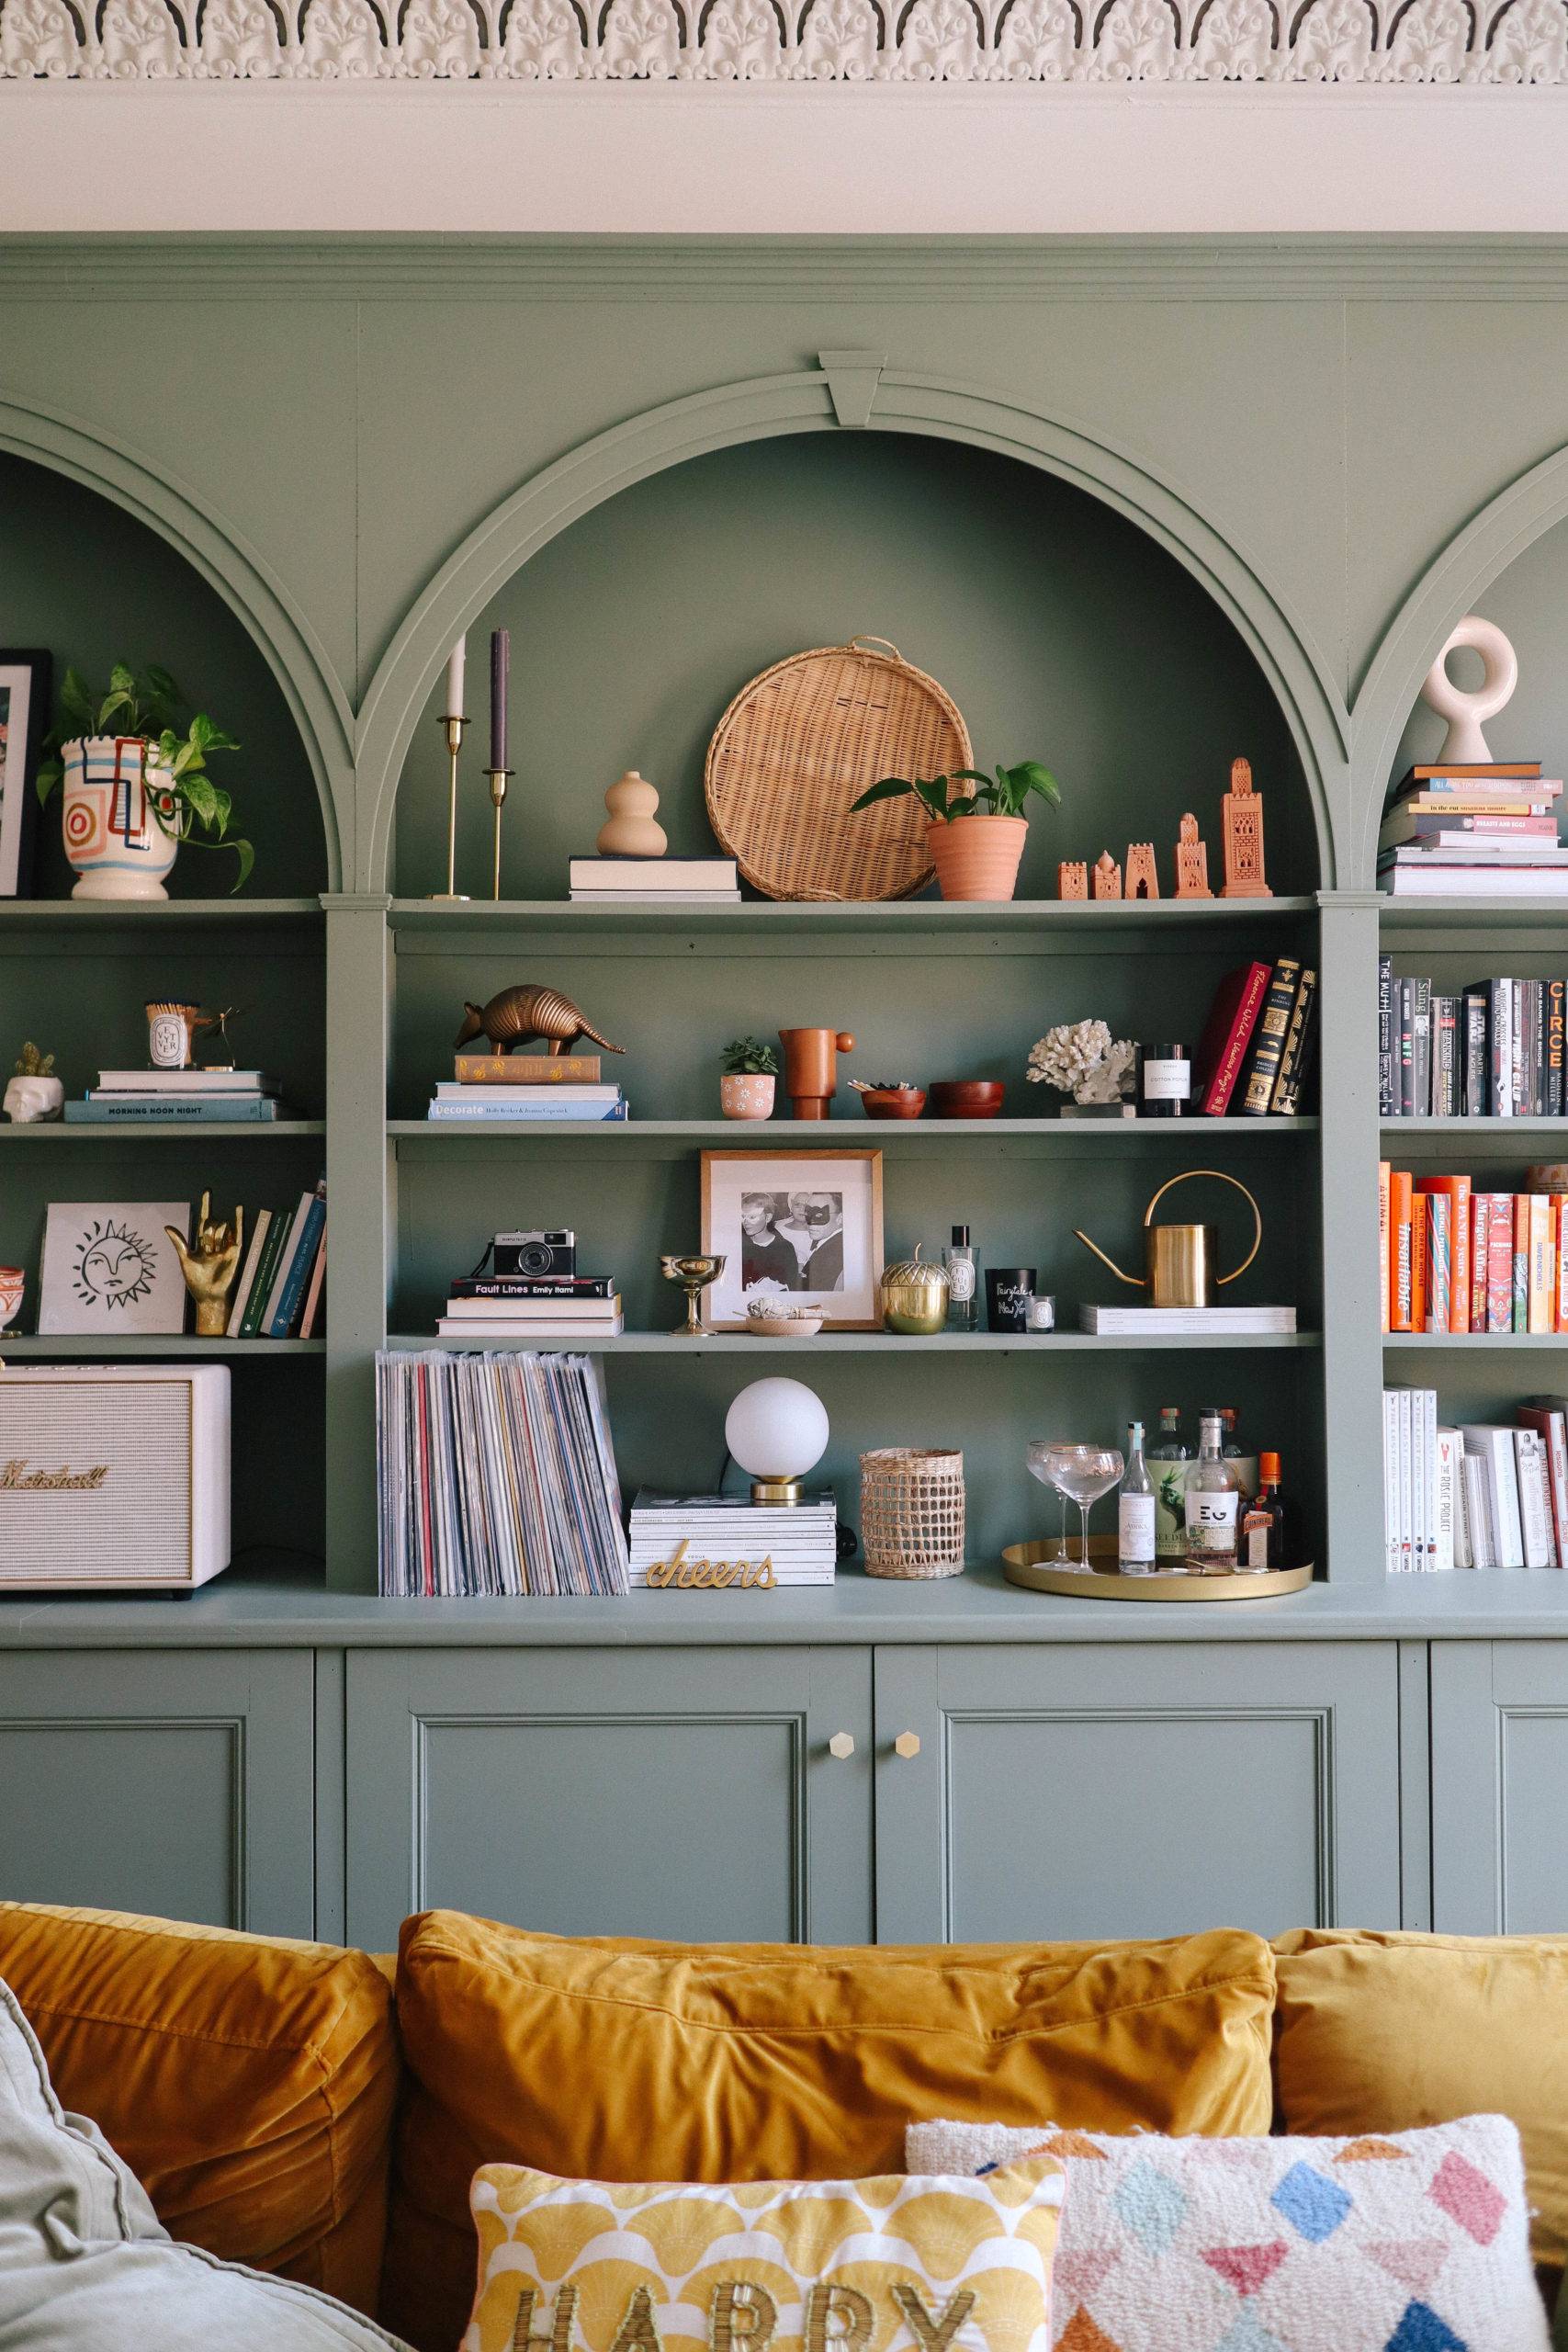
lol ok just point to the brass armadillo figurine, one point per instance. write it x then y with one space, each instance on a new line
518 1013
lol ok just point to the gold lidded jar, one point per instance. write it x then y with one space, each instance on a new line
913 1297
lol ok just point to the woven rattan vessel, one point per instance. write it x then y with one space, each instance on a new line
911 1512
800 742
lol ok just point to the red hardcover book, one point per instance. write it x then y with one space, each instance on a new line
1456 1188
1399 1265
1227 1034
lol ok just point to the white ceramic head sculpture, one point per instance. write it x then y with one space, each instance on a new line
1464 745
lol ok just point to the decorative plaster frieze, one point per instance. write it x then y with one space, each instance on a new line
1103 41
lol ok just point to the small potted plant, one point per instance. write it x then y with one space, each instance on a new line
746 1089
134 770
979 857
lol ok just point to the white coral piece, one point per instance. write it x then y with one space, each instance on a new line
1081 1059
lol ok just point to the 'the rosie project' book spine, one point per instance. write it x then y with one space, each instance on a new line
1268 1041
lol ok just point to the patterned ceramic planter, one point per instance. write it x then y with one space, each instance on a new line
13 1282
977 857
112 836
747 1094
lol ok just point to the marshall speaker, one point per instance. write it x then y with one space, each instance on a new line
113 1478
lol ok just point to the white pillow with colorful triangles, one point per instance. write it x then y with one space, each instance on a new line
1411 2242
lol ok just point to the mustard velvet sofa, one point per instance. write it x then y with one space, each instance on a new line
318 2113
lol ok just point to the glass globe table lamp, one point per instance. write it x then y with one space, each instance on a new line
778 1430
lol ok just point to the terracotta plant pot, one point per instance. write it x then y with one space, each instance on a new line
745 1094
977 857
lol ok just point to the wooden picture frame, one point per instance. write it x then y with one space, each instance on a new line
24 714
770 1250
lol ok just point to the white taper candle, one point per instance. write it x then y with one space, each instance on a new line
456 661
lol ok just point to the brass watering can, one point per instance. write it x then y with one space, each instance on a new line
1179 1260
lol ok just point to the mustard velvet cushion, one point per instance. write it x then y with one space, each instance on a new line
248 2082
839 2266
1389 2032
636 2061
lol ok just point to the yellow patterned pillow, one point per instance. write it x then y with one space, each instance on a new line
897 2265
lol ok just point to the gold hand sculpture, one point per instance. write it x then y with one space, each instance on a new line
210 1269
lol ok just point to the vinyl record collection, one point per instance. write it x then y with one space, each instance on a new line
497 1478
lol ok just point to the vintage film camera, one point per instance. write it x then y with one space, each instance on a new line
535 1255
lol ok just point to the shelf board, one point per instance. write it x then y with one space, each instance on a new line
1067 921
872 1343
119 1131
100 1348
86 916
1502 1128
1476 1343
1472 914
666 1138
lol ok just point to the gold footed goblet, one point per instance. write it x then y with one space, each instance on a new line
694 1274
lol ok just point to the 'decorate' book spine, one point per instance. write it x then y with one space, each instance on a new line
1554 1009
1227 1034
1388 1100
1268 1043
1286 1098
526 1069
1475 1100
1400 1191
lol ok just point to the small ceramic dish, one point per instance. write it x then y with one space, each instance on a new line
893 1102
793 1323
966 1098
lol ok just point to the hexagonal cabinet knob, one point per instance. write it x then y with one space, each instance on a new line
907 1744
842 1744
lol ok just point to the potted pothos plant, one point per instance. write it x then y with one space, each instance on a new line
133 765
976 825
751 1074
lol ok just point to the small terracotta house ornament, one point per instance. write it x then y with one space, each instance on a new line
629 831
1107 876
1243 837
1192 863
1072 878
1143 880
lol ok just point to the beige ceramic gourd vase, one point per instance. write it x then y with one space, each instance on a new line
977 857
630 831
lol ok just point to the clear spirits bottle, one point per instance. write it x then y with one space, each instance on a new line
1212 1501
963 1287
1136 1512
1171 1458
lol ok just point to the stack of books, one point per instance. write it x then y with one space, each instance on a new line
1478 833
1493 1051
534 1087
184 1097
722 1542
1187 1322
497 1478
1257 1048
1481 1496
487 1307
1457 1260
655 882
279 1292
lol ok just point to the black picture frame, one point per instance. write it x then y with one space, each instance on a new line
25 681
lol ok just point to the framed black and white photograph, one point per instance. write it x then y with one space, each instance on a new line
24 714
806 1228
109 1266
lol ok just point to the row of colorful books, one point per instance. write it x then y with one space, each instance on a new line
1476 1496
540 1087
1457 1259
281 1294
1257 1047
497 1478
1495 1050
174 1097
1485 832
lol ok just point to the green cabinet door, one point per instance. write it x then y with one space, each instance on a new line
1500 1788
172 1782
1144 1790
711 1794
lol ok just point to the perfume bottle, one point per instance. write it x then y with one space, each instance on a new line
1135 1511
1165 1086
962 1290
1214 1503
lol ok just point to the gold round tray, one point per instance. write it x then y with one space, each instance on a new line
1043 1566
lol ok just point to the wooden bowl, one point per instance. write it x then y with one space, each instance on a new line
893 1102
966 1098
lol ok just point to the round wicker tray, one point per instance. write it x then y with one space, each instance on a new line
1043 1566
799 744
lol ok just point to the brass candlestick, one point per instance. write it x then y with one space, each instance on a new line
453 726
498 778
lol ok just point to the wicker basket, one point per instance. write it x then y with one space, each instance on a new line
911 1512
799 744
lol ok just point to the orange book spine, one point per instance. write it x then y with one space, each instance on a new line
1385 1171
1399 1252
1456 1190
1418 1262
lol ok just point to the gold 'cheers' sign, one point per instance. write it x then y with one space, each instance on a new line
15 1478
710 1576
743 2316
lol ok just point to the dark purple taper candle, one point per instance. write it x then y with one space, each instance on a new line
500 671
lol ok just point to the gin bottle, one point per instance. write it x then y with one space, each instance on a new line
1212 1501
1171 1459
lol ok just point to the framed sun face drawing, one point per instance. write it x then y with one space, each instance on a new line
109 1266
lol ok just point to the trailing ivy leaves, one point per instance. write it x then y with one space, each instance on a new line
149 710
1006 794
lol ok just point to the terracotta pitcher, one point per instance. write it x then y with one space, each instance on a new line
811 1067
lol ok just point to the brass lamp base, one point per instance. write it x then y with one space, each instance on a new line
778 1490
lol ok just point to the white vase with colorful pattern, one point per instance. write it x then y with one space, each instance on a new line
110 818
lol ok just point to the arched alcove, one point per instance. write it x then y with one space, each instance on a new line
1063 630
89 582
